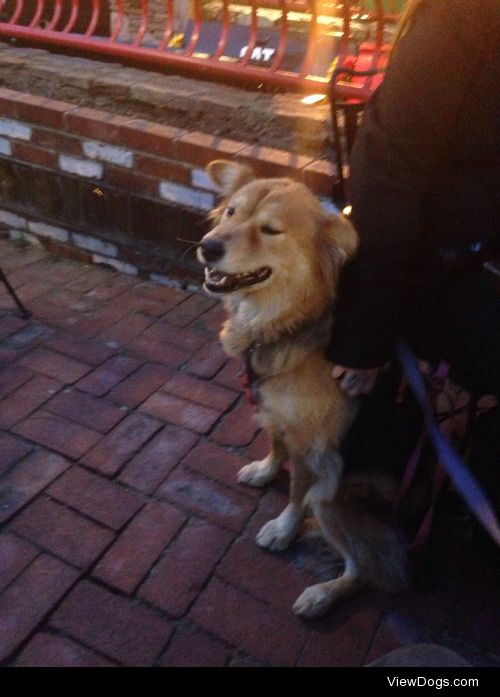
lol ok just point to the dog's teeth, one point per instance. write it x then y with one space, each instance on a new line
228 282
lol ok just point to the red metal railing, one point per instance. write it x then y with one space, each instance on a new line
305 38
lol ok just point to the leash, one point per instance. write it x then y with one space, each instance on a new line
411 467
464 482
440 477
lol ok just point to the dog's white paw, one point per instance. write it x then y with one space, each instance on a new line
276 535
314 601
257 473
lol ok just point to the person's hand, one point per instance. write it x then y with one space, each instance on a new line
355 381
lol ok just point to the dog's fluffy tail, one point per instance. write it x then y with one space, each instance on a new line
363 516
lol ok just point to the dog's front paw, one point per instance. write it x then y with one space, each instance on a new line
314 601
276 535
257 473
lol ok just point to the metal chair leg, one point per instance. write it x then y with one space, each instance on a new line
25 313
350 110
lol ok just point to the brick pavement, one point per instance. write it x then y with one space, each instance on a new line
125 538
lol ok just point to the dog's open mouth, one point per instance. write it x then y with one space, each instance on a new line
222 282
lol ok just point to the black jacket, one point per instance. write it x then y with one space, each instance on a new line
425 176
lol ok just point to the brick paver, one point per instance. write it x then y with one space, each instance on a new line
57 433
12 377
343 640
180 411
109 374
182 337
126 539
200 391
157 351
140 385
237 428
117 627
207 361
263 575
96 497
62 532
27 479
183 571
25 602
15 555
86 350
191 648
154 462
112 451
243 621
210 460
139 546
207 498
52 651
55 365
21 403
86 410
11 450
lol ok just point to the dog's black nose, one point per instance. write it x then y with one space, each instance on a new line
212 250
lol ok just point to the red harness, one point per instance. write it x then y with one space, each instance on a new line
249 378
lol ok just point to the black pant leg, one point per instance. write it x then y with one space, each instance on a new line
469 338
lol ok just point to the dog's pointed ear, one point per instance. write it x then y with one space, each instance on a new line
340 233
338 242
229 176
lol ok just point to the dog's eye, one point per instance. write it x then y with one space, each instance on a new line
268 230
230 210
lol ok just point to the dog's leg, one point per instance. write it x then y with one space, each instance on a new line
315 600
278 533
360 528
263 471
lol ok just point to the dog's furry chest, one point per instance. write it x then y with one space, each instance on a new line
294 390
289 377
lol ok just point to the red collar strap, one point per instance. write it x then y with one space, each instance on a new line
249 377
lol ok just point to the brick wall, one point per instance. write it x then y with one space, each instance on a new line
107 188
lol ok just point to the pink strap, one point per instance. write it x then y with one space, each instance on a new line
440 476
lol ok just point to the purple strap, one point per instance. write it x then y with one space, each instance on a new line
464 482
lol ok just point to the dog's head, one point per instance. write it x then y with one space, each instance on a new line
270 234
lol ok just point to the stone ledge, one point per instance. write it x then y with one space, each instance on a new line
128 192
257 117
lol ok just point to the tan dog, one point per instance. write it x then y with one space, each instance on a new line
274 257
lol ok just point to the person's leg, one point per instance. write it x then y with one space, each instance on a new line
484 462
384 432
470 333
470 341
